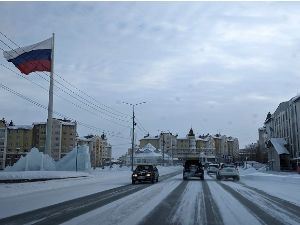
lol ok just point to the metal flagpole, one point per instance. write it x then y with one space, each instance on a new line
50 106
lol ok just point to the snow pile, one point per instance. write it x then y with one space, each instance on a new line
72 163
76 160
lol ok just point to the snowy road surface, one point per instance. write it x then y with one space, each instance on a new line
258 198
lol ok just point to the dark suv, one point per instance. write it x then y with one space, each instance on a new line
145 173
193 168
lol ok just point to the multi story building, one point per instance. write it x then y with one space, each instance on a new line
101 150
3 139
216 148
15 142
153 140
63 137
282 135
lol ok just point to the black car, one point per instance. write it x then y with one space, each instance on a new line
145 173
193 168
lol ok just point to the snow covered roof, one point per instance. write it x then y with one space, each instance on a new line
295 98
39 123
24 127
148 147
278 144
151 137
68 123
84 139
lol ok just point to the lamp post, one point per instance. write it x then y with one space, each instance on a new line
163 149
133 124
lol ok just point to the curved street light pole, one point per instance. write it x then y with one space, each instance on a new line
133 124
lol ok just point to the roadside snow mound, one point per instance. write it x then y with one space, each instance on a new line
76 160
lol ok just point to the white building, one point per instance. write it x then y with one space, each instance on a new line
148 155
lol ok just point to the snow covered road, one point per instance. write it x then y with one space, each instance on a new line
113 200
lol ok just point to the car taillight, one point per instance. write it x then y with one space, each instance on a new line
236 168
221 168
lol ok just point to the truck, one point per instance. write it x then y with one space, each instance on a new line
193 168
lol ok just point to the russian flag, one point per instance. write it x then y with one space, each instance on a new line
31 58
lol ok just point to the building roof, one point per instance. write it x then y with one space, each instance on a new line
278 144
24 127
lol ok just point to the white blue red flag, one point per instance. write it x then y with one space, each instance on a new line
31 58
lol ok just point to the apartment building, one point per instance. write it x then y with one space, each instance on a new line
212 148
63 137
15 141
281 135
101 150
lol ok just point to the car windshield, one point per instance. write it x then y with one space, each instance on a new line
215 166
229 165
140 168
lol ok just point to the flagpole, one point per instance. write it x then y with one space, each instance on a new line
50 106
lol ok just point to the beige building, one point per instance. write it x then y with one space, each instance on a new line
101 150
210 148
63 137
14 142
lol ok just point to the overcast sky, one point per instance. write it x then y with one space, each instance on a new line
218 67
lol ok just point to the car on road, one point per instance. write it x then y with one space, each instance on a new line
145 173
212 168
226 171
193 168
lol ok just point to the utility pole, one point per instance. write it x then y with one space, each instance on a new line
133 124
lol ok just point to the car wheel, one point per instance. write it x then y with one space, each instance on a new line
218 177
152 180
202 177
133 181
157 179
237 178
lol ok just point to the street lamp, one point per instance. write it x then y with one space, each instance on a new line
133 124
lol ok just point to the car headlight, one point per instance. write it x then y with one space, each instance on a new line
148 175
134 175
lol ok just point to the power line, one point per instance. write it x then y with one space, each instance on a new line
64 98
55 112
73 87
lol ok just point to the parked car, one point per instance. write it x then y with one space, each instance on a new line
193 168
228 171
145 173
212 168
